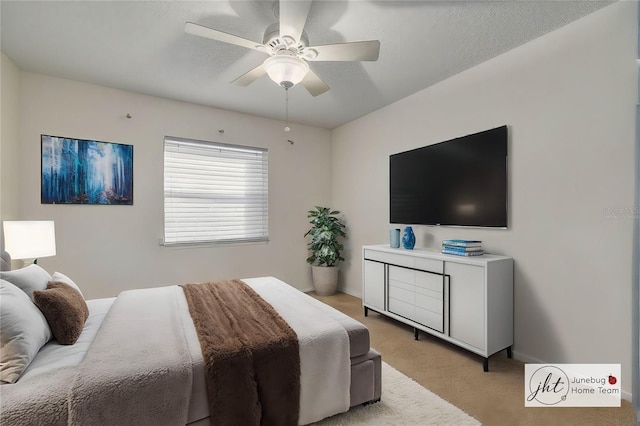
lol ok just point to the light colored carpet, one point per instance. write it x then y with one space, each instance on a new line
404 402
495 398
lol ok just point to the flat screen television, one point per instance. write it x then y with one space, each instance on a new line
460 182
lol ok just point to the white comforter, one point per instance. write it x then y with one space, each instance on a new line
325 366
134 356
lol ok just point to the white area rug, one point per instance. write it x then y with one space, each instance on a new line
404 402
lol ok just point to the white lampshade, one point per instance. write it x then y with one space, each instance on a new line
30 239
287 71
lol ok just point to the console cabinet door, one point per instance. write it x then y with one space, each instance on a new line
467 303
402 292
430 300
374 283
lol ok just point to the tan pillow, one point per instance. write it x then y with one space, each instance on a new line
65 310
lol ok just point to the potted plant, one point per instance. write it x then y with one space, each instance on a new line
325 249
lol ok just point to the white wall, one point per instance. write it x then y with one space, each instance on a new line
9 140
106 249
569 101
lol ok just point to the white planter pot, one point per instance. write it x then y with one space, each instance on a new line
325 279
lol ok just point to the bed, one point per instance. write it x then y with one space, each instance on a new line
139 360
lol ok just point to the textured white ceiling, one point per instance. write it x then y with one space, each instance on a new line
140 46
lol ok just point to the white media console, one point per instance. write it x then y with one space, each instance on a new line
467 301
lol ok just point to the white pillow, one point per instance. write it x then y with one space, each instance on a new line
28 279
23 331
57 276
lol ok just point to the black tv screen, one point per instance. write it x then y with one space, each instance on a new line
460 182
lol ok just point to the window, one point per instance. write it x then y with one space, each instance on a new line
214 193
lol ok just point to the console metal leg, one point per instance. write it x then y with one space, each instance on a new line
415 333
485 365
366 311
509 352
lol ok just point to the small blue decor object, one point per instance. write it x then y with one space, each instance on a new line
395 238
408 239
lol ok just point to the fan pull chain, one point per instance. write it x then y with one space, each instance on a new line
286 102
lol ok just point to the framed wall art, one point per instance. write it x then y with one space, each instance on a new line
81 171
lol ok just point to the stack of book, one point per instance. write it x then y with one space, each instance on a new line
462 247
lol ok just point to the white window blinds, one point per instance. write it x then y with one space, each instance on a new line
214 192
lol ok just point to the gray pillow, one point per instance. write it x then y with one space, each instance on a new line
62 278
5 261
28 279
23 331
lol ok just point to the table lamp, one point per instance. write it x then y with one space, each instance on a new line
29 239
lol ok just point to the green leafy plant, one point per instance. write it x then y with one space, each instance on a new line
327 228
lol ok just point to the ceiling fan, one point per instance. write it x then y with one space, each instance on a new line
288 48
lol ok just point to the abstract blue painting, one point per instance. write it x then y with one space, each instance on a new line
80 171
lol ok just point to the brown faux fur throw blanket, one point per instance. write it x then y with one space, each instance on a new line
251 356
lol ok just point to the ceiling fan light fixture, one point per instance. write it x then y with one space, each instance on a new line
287 71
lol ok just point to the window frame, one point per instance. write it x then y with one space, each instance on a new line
263 153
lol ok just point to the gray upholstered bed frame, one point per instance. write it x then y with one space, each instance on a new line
366 378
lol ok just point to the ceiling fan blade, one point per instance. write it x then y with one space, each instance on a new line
313 84
206 32
249 77
355 51
293 15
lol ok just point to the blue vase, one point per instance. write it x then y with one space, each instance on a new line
408 239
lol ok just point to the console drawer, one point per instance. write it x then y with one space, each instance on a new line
399 259
429 303
402 292
390 258
401 308
430 319
402 274
430 265
426 281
